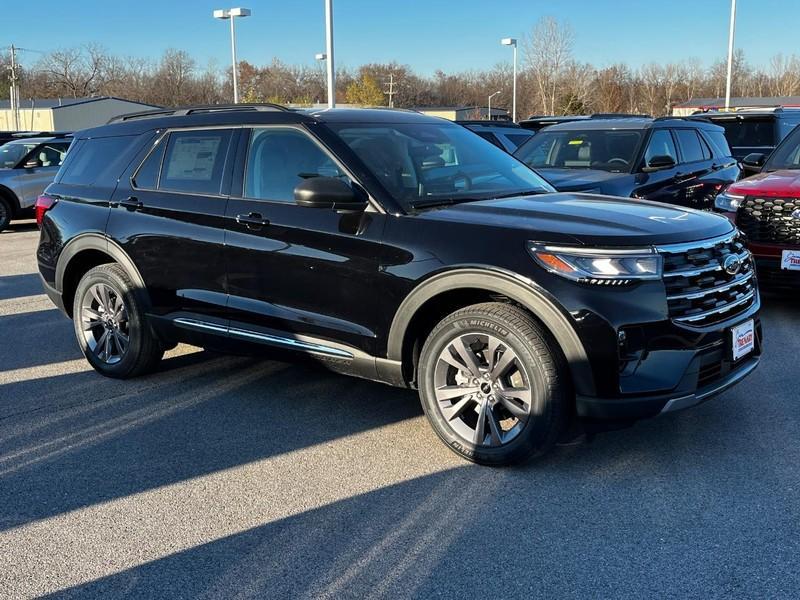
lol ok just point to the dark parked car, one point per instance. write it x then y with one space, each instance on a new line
680 161
537 122
504 134
750 131
766 207
27 166
399 248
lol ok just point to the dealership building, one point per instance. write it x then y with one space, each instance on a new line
66 114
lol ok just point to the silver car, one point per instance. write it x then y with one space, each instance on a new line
27 166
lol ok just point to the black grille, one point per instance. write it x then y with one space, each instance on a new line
770 220
699 289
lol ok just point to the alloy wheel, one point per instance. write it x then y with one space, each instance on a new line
104 323
482 389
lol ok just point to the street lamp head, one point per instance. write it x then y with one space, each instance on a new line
227 13
321 56
509 42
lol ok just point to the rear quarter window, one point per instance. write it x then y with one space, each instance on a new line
93 160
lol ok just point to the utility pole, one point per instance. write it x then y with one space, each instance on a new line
391 91
731 33
14 91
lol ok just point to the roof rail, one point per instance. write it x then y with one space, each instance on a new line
682 118
29 134
618 116
190 110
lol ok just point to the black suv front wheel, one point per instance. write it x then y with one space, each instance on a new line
110 324
493 384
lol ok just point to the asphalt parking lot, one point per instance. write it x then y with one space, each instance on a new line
241 477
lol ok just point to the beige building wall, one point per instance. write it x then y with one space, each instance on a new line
444 114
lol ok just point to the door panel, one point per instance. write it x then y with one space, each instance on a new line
297 269
172 225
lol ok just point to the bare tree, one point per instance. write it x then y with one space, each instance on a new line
784 77
547 51
76 72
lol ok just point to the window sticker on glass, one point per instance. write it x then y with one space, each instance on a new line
575 142
193 158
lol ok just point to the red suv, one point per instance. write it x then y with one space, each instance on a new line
766 207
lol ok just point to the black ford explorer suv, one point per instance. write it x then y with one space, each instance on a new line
680 161
400 248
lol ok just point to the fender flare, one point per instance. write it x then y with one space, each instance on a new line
509 284
96 241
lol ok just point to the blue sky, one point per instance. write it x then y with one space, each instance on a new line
426 34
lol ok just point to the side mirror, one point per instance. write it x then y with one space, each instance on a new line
754 161
658 163
328 192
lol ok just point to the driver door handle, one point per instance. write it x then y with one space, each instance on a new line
131 203
252 220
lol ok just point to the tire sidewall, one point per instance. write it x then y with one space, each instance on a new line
136 323
539 427
5 221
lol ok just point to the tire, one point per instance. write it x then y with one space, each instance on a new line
457 397
105 305
6 212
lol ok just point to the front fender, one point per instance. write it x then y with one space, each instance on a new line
520 289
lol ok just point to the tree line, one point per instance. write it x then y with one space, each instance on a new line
551 80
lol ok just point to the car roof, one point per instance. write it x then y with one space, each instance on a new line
633 123
38 140
248 114
490 124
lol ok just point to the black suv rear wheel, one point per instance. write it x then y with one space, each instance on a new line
110 324
493 384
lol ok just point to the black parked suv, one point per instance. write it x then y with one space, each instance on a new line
400 248
754 131
506 135
680 161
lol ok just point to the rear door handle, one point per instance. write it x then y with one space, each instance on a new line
131 203
252 220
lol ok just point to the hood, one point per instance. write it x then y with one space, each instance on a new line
784 183
576 180
589 219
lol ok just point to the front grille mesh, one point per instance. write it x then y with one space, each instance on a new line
769 220
699 290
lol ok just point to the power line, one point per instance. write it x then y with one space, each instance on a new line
390 92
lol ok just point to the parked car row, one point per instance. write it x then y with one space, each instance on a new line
405 249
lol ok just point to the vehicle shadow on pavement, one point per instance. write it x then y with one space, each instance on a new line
71 441
20 286
43 338
597 521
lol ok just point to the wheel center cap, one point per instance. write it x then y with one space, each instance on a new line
486 388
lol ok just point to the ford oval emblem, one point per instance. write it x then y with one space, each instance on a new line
732 264
796 214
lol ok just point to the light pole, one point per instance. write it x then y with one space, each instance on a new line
513 42
329 53
231 14
490 103
730 55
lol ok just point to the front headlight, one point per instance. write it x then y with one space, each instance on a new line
599 266
727 202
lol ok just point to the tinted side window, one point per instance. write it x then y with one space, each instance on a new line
490 137
661 144
518 138
278 159
146 176
691 149
718 142
194 161
92 159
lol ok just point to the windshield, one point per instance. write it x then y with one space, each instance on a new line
611 150
787 155
11 154
427 163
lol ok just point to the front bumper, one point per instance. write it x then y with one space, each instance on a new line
629 409
768 265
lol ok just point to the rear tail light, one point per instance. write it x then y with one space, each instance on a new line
43 204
